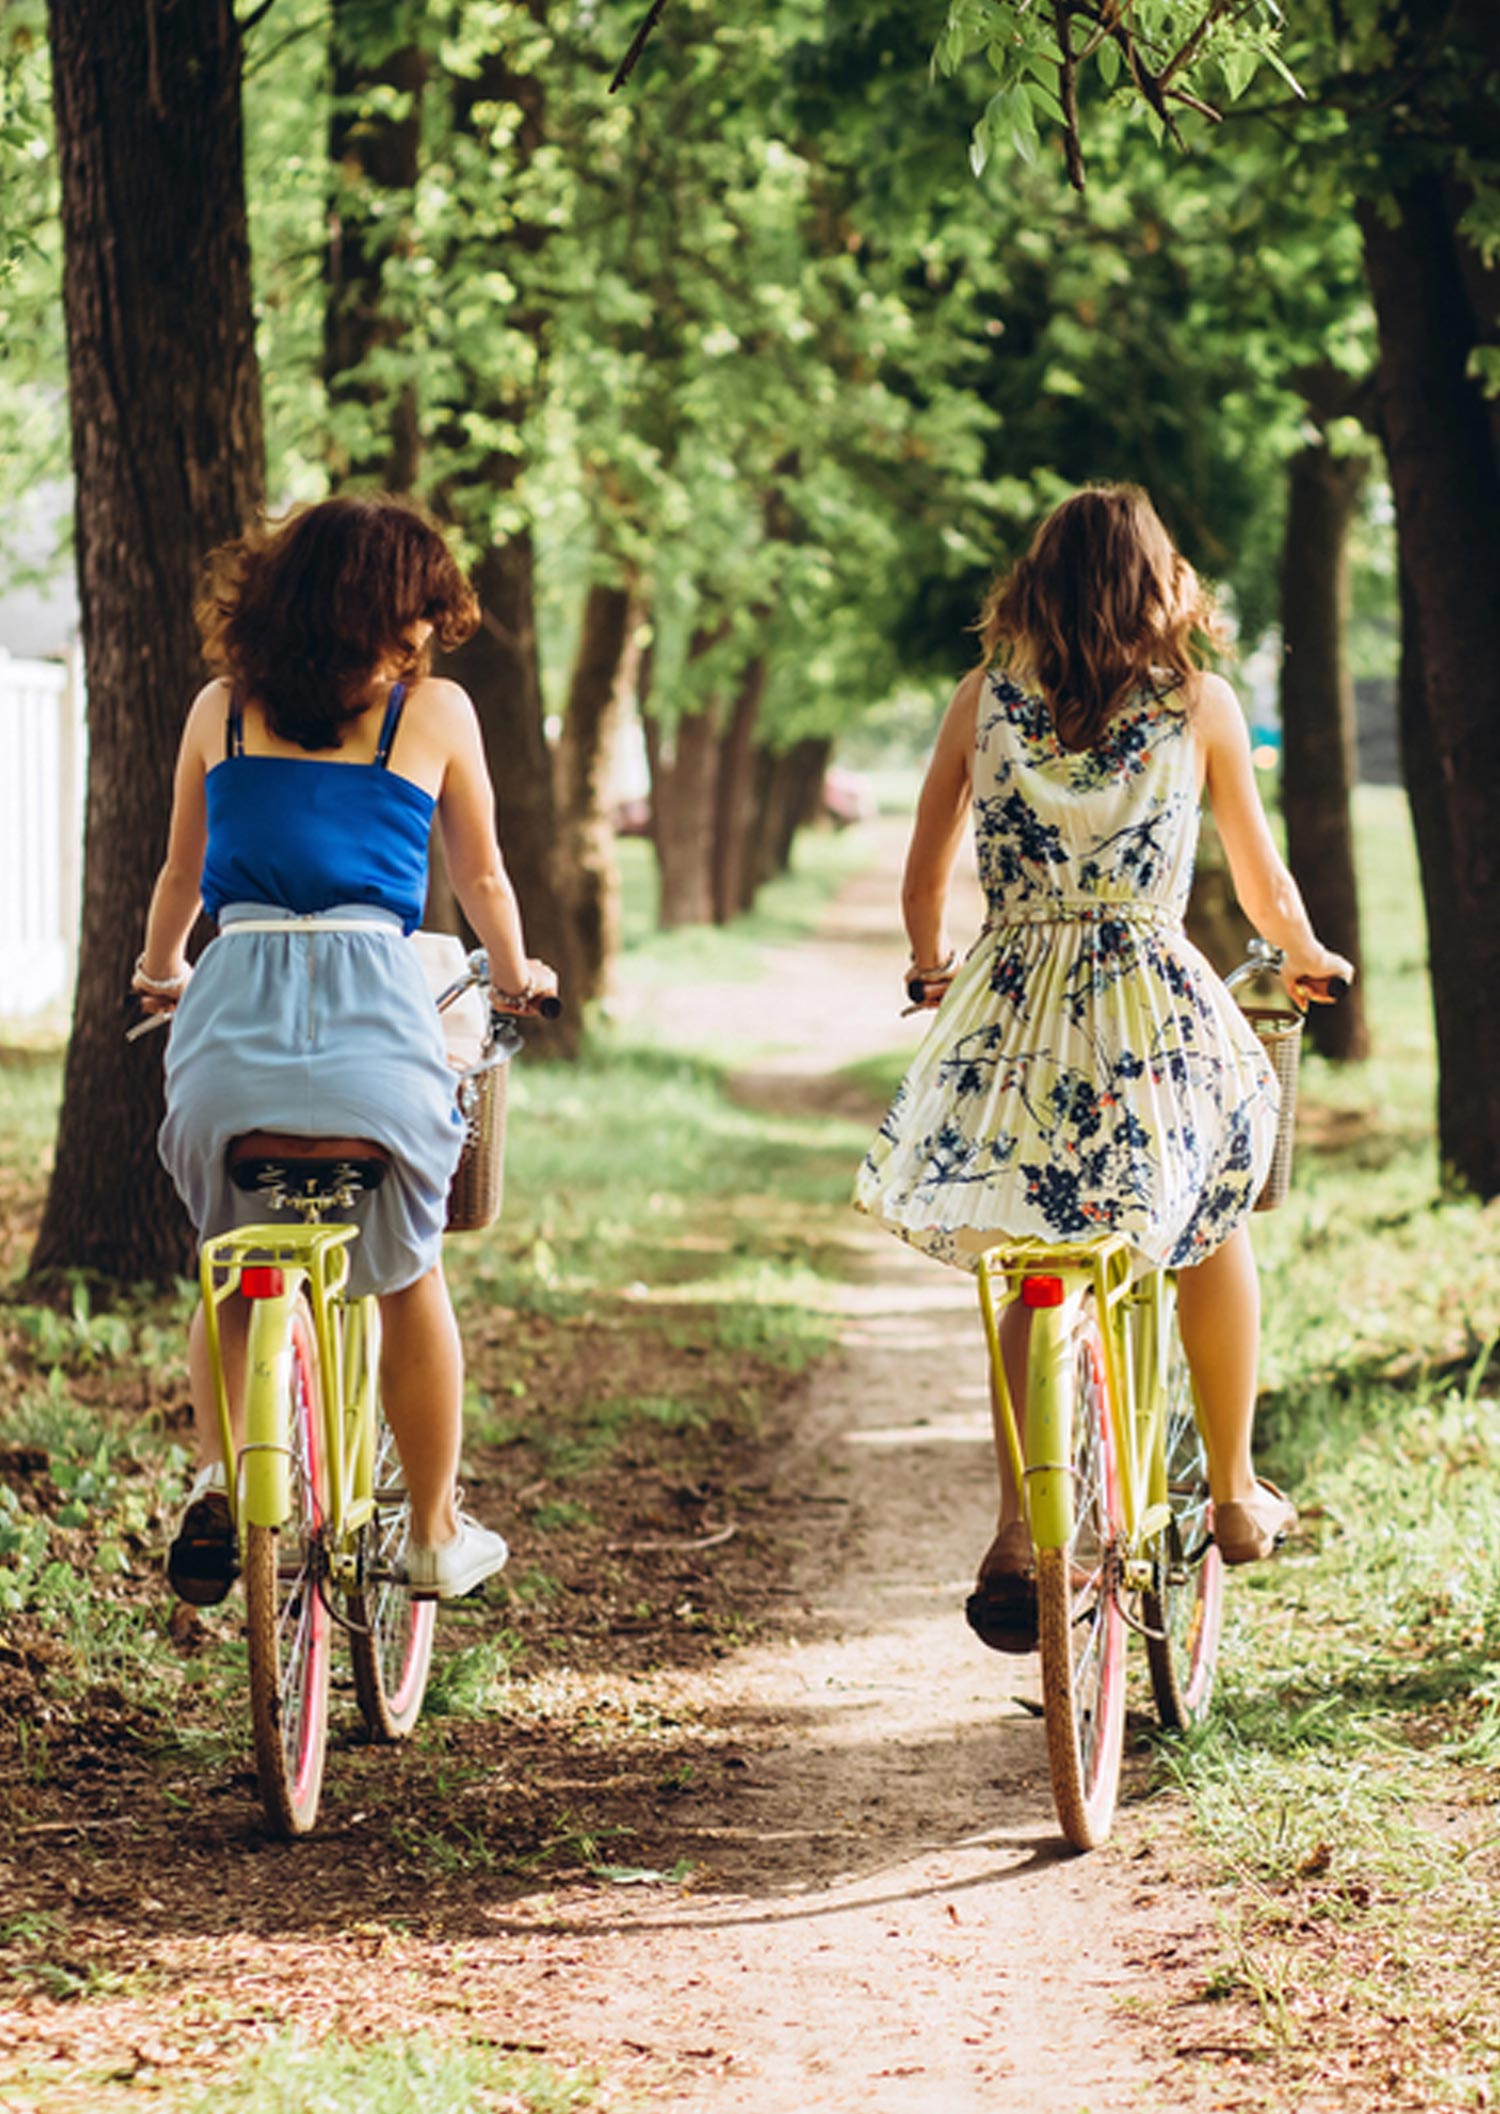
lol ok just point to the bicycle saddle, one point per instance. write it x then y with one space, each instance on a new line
306 1165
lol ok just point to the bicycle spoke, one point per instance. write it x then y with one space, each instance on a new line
1182 1610
391 1634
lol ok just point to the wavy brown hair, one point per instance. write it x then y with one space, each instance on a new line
1101 606
299 613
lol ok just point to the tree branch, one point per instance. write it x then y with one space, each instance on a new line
1189 51
638 43
1062 15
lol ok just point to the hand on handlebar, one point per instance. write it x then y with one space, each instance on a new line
537 995
926 993
151 1001
927 988
1318 979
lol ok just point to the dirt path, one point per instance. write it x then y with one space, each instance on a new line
894 1925
850 1893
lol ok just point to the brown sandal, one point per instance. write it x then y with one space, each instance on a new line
1250 1531
1001 1611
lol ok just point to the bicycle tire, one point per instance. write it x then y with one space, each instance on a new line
287 1626
1183 1608
390 1633
1081 1629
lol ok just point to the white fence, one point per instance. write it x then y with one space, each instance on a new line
42 771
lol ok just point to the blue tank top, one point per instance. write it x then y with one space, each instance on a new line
305 835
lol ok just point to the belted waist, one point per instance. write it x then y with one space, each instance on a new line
1087 910
255 917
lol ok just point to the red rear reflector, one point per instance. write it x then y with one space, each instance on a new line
261 1281
1039 1291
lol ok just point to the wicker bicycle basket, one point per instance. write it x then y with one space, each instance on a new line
479 1178
1280 1031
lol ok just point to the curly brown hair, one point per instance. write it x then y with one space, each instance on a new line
299 613
1101 605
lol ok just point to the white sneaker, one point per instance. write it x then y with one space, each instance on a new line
455 1567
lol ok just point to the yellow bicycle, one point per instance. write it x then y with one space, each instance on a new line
316 1494
1116 1492
1107 1452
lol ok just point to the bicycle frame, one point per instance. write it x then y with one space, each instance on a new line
1134 1313
271 1265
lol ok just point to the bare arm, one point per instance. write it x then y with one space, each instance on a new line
466 815
1268 895
942 812
175 900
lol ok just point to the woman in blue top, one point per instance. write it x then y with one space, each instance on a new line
309 776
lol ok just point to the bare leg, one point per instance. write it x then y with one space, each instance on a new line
234 1329
1011 1548
421 1387
1218 1310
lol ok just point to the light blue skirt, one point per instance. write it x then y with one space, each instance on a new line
319 1034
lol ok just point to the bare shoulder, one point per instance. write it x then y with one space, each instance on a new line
1212 698
961 718
1215 713
442 708
208 716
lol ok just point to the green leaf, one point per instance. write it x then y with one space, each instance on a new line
1042 97
1273 58
1023 132
1108 57
1239 65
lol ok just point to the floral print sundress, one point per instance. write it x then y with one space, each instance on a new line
1087 1072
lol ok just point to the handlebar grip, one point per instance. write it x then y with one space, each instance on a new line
1338 987
916 989
549 1007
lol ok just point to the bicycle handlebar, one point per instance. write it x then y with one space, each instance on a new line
547 1007
1263 959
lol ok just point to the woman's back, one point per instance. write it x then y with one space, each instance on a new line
1060 830
305 832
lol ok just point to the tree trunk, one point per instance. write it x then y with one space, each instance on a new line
601 672
684 773
1317 722
1445 476
734 798
374 157
1422 773
168 462
789 792
758 864
500 670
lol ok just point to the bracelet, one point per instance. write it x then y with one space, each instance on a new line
162 986
932 976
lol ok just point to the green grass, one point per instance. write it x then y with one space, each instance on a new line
1343 1785
295 2075
634 1170
30 1089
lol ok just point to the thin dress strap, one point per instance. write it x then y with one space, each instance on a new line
389 724
234 727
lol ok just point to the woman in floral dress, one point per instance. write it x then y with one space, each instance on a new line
1088 1072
